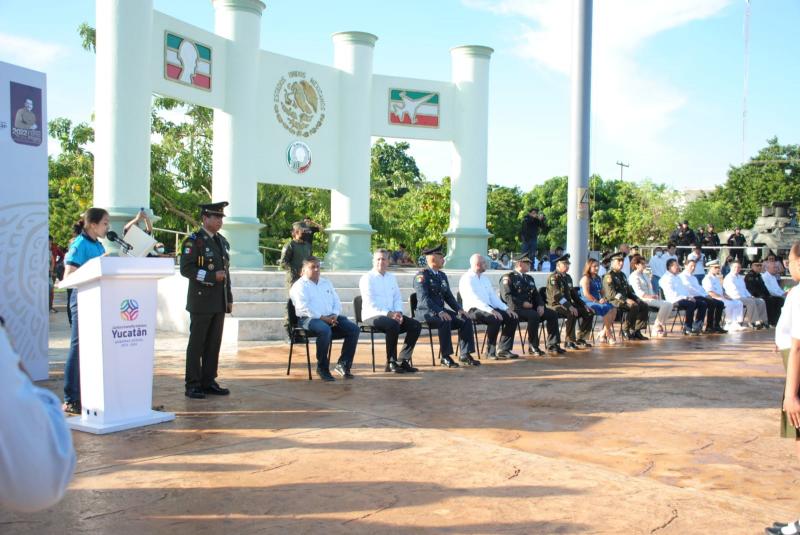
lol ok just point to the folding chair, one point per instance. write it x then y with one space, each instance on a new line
357 304
298 335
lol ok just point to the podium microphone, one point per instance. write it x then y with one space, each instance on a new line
113 236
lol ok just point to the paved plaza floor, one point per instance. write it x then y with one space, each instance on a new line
673 436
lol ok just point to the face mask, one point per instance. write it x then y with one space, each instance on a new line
160 250
659 253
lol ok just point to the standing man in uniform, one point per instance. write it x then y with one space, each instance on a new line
205 261
736 243
619 293
562 298
518 291
532 225
711 239
293 254
433 293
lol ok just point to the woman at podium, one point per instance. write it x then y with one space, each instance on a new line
85 247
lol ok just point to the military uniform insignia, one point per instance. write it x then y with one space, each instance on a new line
506 280
420 278
187 250
211 267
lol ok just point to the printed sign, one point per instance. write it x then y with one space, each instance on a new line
186 61
413 108
26 114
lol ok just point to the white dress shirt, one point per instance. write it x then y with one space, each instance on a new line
477 292
772 284
658 265
380 294
36 455
692 284
315 300
735 287
789 322
641 284
700 268
626 266
673 287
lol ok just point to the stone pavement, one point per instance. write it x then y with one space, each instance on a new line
673 436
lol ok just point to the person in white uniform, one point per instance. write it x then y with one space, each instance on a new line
715 306
734 285
382 308
787 339
37 459
483 305
734 309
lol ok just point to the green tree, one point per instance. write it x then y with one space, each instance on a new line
551 200
504 211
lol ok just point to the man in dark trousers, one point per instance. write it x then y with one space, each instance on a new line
532 225
684 238
518 290
205 262
736 242
433 293
755 285
562 298
711 239
619 293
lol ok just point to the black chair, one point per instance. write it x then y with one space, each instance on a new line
425 325
357 304
561 319
298 335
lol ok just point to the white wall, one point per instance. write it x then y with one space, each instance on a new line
25 258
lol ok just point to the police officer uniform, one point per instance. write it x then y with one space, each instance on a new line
617 291
202 257
433 293
560 296
518 288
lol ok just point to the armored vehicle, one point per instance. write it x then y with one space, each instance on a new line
773 232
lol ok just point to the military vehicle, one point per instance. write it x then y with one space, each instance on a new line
773 232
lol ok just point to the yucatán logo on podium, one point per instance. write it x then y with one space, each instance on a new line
299 104
26 114
129 335
186 61
414 108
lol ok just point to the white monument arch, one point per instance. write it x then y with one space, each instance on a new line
282 120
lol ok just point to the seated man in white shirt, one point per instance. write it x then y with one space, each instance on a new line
658 266
676 293
36 455
699 263
483 305
318 310
772 278
715 307
382 308
734 310
734 285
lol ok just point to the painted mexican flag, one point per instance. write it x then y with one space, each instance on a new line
186 61
413 108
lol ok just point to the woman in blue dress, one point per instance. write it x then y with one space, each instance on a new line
82 249
591 291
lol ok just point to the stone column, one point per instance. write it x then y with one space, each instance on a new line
122 108
467 233
350 232
235 128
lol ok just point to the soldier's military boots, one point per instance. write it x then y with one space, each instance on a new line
583 344
195 392
447 362
393 366
536 351
467 360
558 350
215 390
407 367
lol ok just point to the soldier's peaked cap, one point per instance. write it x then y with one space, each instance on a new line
523 258
618 255
432 250
214 208
712 263
563 258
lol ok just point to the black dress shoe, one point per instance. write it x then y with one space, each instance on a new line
393 366
507 354
325 375
535 351
195 392
468 360
571 345
447 362
557 349
639 336
720 330
407 367
583 343
495 356
215 390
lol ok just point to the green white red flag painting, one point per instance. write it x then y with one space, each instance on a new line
186 61
413 108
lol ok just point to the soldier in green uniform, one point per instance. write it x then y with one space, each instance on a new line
205 261
562 297
518 291
294 253
619 293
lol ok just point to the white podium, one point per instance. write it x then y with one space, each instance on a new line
117 303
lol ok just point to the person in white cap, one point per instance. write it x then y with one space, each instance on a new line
734 309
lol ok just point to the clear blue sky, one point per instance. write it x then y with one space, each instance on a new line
667 74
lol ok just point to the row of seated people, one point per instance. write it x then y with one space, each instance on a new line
318 310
